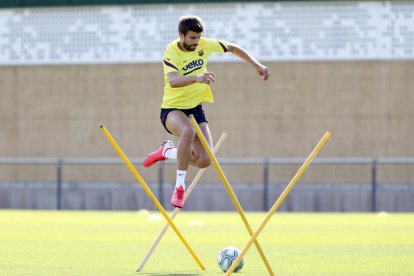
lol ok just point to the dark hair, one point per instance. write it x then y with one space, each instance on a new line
190 23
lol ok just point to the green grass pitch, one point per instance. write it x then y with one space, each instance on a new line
114 243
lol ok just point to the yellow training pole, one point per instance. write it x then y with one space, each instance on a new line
281 198
176 210
149 193
228 188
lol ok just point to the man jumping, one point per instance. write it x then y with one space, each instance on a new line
187 86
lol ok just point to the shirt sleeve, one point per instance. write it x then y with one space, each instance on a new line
217 46
170 62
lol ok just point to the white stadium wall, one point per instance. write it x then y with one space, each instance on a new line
284 31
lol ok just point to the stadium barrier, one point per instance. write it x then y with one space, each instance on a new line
267 186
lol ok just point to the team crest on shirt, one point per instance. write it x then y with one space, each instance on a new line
201 53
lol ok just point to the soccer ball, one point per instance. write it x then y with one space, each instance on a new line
227 257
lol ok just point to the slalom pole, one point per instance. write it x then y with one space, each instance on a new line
228 189
150 194
176 210
281 198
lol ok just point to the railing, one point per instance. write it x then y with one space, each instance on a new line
266 162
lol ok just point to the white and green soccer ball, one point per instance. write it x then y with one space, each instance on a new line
227 257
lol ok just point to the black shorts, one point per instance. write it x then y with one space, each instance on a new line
197 111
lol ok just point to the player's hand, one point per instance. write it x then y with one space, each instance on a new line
207 77
263 71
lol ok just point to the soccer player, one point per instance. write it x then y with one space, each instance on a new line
187 86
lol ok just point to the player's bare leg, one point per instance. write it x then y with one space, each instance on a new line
200 158
189 150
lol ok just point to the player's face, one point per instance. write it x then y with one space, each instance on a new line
190 40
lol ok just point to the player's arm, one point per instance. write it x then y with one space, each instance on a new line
238 51
176 80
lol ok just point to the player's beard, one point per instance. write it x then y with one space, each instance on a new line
189 47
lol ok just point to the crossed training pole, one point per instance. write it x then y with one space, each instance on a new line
228 189
281 198
233 197
150 194
176 210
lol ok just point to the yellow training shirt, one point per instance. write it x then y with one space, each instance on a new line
189 63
